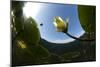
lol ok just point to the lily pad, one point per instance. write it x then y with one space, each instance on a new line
87 17
30 33
30 54
17 15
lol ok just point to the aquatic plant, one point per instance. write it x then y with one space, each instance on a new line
62 26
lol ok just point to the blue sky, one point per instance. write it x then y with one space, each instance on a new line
46 14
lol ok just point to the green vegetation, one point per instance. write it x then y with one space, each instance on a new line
87 17
25 38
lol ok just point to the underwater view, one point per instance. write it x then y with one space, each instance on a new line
52 33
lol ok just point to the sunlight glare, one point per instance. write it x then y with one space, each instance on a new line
31 9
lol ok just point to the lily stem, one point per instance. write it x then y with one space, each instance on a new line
80 39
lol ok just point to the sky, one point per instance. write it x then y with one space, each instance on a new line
45 12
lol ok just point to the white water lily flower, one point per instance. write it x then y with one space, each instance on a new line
61 25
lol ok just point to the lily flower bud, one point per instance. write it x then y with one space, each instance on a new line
60 24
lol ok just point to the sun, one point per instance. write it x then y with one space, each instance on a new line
31 9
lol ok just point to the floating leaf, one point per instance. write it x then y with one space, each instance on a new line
17 15
30 33
30 54
87 17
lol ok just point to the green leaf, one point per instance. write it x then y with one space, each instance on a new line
29 55
87 17
17 10
30 33
38 52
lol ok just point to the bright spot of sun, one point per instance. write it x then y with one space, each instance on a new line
31 9
21 44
